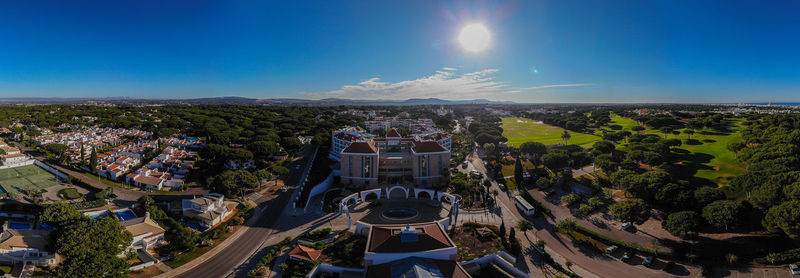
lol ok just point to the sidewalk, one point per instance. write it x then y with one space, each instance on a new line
202 258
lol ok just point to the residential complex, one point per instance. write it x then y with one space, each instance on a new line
90 138
11 155
169 169
365 159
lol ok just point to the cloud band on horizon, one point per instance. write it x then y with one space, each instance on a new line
446 83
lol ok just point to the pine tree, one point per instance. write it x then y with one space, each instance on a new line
518 172
93 161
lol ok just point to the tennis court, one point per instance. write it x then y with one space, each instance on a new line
24 178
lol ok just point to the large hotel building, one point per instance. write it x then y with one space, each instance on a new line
421 157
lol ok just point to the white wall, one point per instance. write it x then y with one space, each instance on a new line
450 253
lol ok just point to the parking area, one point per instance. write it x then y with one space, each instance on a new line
777 272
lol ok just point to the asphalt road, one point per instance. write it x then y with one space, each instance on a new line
224 262
598 265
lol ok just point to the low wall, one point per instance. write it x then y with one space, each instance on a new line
500 259
140 266
320 188
25 163
50 169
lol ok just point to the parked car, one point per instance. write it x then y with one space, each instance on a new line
464 164
794 269
502 186
611 249
284 189
625 226
627 256
648 260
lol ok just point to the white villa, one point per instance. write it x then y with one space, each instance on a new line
209 210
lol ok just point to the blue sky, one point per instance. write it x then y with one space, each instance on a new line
540 51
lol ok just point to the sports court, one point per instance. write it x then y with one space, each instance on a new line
21 179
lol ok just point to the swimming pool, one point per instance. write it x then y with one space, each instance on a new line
195 226
125 215
20 225
45 227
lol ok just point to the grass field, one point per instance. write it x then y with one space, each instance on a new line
521 130
707 152
21 179
69 194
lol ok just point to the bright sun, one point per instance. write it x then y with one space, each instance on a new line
474 37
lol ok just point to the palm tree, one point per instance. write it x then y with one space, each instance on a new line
566 136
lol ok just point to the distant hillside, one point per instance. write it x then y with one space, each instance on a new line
244 100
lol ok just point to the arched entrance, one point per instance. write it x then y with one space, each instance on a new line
424 195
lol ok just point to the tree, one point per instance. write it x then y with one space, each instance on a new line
93 265
263 149
518 172
84 236
263 174
706 195
60 213
723 214
683 223
689 133
606 163
638 129
179 237
524 225
83 159
784 218
555 160
93 161
534 150
735 147
566 136
604 147
146 201
279 170
666 131
230 183
631 210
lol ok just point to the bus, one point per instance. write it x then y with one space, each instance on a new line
524 206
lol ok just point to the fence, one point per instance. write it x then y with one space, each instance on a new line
50 169
25 163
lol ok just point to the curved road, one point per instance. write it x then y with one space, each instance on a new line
224 262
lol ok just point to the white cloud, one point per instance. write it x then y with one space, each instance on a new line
558 86
446 83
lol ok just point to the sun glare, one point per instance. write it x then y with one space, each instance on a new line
474 37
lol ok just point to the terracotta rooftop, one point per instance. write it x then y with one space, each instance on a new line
417 267
393 134
390 239
305 253
427 147
360 147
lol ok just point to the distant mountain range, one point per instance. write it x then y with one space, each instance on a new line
244 100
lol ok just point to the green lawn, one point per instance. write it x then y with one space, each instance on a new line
69 194
707 151
24 178
520 130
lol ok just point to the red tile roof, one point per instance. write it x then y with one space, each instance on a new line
393 134
387 239
360 147
305 253
427 147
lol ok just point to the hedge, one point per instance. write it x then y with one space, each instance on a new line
787 256
267 259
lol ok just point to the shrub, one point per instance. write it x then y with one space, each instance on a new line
571 199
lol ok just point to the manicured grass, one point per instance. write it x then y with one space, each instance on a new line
21 179
69 194
707 151
520 130
508 170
